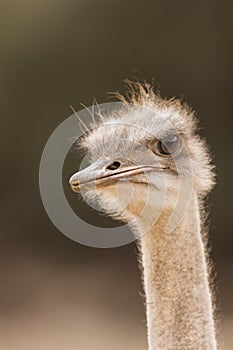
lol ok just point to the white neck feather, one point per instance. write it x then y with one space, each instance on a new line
178 298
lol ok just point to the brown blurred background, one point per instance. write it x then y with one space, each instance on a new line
56 294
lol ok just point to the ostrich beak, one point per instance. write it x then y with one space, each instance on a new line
103 173
88 176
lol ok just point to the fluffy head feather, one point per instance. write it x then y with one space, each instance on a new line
144 116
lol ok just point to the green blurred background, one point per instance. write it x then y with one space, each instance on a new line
55 293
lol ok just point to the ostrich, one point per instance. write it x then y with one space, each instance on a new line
148 148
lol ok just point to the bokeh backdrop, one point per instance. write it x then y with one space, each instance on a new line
56 294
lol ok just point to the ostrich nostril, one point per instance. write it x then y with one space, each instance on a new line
115 165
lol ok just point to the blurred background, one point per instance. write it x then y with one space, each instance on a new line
55 293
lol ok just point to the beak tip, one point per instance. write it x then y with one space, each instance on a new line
73 181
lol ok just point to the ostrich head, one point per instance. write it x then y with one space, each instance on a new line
142 157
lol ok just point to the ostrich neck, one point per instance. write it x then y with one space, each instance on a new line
178 298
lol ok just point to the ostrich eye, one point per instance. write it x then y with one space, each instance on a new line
167 146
